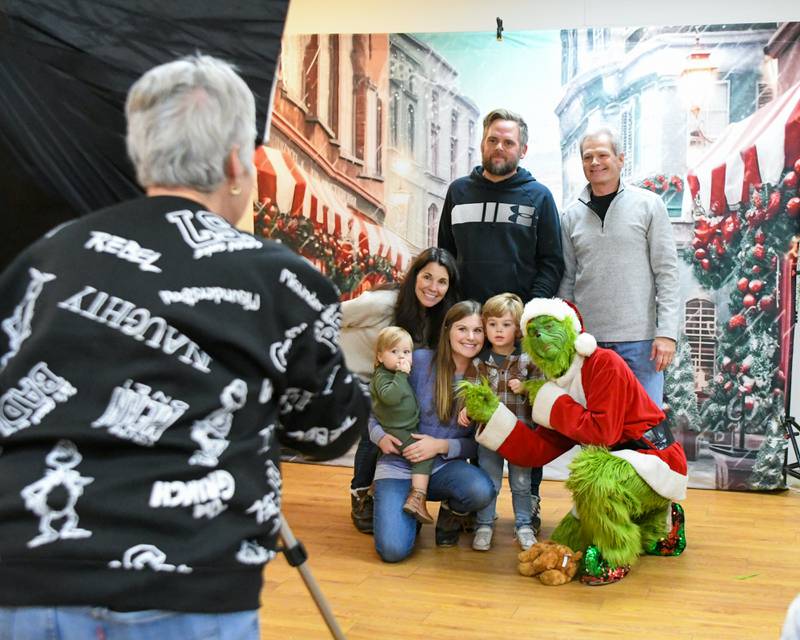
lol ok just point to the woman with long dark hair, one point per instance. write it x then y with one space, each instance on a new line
418 304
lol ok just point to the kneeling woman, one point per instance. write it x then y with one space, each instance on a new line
460 486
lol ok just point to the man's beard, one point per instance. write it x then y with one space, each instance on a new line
498 167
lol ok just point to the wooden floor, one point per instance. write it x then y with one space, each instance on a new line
740 571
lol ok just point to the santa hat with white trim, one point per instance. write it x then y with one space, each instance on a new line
585 343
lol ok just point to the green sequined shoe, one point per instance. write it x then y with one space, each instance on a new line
597 571
675 541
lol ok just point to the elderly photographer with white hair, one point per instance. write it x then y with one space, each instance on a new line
153 358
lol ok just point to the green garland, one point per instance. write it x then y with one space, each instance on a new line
351 269
662 185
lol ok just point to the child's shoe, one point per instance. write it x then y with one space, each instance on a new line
483 538
415 506
525 537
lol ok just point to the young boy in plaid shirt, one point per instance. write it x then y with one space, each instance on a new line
505 367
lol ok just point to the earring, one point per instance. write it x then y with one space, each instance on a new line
235 190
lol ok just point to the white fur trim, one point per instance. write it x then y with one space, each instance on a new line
500 425
585 344
656 473
545 399
555 307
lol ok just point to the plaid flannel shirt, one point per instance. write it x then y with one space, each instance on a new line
517 365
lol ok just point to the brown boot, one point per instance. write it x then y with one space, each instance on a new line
415 506
361 509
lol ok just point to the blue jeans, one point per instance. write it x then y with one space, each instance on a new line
519 479
464 486
637 355
99 623
364 461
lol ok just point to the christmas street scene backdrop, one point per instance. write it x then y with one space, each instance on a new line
367 131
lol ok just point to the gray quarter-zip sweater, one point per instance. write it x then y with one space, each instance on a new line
622 272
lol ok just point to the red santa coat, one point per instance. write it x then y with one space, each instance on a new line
598 401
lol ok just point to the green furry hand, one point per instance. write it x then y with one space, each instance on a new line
479 399
532 388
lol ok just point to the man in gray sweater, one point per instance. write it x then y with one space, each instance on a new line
621 264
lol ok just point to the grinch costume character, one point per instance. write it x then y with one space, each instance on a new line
626 481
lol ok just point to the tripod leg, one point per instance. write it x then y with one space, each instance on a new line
296 556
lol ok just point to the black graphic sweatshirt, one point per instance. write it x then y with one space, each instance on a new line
153 359
505 236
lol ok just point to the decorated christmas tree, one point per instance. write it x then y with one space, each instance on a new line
738 251
680 400
768 468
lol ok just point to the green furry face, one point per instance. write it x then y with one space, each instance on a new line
550 343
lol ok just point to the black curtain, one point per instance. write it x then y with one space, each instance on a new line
65 69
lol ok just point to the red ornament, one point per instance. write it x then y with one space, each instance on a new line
760 236
797 166
767 303
756 269
737 322
728 386
756 286
744 367
749 300
719 247
790 180
729 228
743 284
774 204
726 362
793 207
758 251
705 231
749 403
705 263
700 254
758 218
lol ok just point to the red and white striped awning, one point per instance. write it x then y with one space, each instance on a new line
294 192
753 151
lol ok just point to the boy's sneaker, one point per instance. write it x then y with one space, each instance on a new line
525 537
483 538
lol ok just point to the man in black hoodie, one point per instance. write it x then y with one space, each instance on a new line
500 223
502 226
